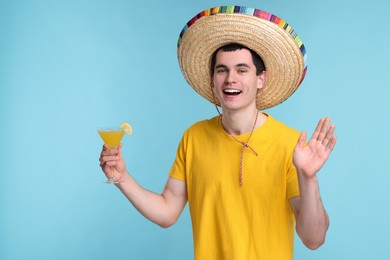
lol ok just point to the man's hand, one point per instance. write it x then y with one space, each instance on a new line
309 158
111 161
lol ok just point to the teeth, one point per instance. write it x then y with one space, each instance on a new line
232 91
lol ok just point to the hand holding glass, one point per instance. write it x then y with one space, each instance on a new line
112 138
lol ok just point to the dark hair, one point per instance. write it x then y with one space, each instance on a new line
257 60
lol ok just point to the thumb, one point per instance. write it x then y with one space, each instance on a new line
120 150
302 139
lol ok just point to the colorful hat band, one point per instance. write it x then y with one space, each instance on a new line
249 11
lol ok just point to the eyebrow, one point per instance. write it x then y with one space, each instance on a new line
238 65
242 65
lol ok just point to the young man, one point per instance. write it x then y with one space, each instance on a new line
248 178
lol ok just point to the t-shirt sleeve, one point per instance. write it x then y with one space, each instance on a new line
178 169
292 176
292 182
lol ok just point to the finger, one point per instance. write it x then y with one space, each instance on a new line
332 144
111 163
101 156
110 151
102 164
316 132
101 161
120 150
324 128
105 150
113 151
109 160
329 135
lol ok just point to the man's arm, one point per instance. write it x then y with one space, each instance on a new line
312 221
163 209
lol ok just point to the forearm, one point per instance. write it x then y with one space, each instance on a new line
312 222
155 207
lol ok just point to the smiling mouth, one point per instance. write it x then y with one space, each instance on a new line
232 92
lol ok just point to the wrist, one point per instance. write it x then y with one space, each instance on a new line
307 177
122 176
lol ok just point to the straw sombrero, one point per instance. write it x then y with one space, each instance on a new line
281 49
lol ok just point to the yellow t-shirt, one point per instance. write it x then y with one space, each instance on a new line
229 221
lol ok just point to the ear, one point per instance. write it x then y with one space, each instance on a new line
261 79
212 88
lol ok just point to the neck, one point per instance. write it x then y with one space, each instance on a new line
242 122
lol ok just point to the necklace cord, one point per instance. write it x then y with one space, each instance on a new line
244 145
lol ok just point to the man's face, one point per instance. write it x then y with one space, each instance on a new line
235 81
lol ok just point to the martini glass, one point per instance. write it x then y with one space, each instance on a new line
111 137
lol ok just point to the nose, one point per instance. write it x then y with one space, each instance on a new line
230 77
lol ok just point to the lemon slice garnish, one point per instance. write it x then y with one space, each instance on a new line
127 128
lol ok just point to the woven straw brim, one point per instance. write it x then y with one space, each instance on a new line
281 55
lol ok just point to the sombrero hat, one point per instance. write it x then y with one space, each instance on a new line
279 46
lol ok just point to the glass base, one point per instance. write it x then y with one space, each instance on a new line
113 181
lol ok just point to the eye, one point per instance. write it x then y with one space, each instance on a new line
241 71
221 70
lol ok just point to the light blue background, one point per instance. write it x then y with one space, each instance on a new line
69 66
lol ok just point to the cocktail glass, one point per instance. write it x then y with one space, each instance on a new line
111 137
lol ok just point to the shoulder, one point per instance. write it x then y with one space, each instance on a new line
279 125
200 131
203 125
283 132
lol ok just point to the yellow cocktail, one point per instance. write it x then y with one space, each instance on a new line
111 136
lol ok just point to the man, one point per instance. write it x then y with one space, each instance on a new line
248 178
